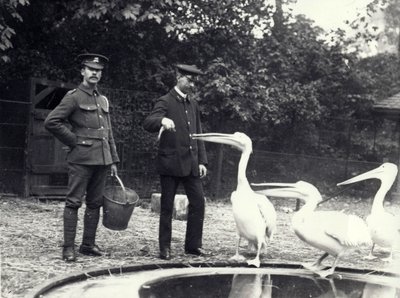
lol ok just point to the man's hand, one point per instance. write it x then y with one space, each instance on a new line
203 171
114 171
168 124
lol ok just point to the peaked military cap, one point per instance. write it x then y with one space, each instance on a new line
189 69
95 61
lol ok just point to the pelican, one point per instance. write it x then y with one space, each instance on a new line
254 214
333 232
383 226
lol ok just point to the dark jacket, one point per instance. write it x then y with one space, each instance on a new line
178 154
82 122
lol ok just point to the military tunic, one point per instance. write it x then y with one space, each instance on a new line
90 137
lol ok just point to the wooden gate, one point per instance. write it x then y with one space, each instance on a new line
46 174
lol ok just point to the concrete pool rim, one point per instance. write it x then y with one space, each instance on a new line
79 276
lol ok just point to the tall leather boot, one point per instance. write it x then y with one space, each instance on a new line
70 223
91 220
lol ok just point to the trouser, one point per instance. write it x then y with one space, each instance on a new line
194 227
89 180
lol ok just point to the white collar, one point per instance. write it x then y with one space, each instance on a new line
180 92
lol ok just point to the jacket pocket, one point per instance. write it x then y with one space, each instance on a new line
88 107
168 161
88 113
82 151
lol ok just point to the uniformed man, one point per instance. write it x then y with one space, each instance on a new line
181 159
82 122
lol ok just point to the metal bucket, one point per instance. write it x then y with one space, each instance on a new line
119 202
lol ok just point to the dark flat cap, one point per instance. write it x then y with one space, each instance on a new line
96 61
189 69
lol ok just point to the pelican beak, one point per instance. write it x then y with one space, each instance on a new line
283 190
373 174
299 190
221 138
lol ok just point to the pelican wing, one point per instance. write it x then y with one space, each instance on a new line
396 220
385 219
268 213
384 228
349 230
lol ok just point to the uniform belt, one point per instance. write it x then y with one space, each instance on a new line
91 133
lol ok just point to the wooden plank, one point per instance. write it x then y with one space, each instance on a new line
44 190
42 94
60 84
41 150
40 114
49 169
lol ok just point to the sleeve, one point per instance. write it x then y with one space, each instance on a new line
152 123
200 144
57 121
111 141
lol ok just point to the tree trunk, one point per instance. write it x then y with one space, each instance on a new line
278 28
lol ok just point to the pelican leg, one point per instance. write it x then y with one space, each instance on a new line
237 256
371 256
316 266
256 260
250 246
329 271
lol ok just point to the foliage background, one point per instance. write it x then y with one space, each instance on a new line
270 74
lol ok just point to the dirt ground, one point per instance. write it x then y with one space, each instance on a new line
31 241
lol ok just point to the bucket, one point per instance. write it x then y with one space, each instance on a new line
119 202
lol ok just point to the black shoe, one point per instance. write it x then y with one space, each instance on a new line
68 254
90 250
196 251
165 254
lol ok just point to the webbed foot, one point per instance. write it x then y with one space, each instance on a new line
255 262
370 257
238 258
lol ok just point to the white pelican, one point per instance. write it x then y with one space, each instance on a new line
330 231
383 226
254 214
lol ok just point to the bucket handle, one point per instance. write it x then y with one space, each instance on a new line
120 182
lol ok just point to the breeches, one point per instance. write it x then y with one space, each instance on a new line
86 179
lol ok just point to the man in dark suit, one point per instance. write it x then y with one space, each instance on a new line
82 122
181 159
